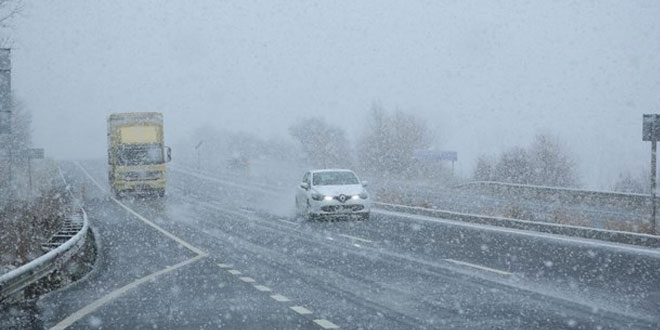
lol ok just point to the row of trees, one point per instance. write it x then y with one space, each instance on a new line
387 144
545 162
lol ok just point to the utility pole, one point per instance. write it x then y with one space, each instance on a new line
6 116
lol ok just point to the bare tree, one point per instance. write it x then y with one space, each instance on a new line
484 170
551 163
8 10
545 162
391 140
633 182
324 145
514 166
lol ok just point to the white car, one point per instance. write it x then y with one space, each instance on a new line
332 192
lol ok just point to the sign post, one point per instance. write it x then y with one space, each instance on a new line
199 162
651 132
434 156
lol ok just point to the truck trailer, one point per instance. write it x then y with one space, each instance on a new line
137 154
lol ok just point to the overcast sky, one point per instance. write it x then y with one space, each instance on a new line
485 74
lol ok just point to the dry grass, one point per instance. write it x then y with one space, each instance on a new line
25 225
629 226
562 218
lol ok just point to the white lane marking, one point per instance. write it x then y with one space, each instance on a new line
116 293
355 238
357 245
165 232
247 279
262 288
301 310
584 241
143 219
224 266
325 324
234 272
289 222
329 238
71 319
280 298
493 270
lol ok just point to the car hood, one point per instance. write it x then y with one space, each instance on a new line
352 189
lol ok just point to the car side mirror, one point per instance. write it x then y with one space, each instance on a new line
365 183
304 185
169 154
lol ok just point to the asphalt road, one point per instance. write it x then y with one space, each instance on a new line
226 252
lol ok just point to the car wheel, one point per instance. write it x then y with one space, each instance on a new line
364 217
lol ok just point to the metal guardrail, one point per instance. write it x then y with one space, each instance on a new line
566 194
19 278
645 240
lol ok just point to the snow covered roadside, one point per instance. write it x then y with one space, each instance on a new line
27 222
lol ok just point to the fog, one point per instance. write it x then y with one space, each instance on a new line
486 75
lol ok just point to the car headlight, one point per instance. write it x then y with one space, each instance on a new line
327 198
317 197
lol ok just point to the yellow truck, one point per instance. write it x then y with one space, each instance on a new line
137 153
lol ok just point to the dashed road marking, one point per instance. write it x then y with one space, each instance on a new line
247 279
357 245
301 310
280 298
234 272
71 319
480 267
224 266
355 238
288 222
262 288
329 238
325 324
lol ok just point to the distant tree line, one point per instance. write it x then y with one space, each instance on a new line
634 182
387 144
544 162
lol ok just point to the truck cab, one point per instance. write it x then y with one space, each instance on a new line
137 154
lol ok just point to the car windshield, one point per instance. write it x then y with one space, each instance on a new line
142 154
334 178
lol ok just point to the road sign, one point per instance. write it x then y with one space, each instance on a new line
432 155
651 128
35 153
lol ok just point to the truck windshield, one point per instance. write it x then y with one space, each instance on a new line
140 154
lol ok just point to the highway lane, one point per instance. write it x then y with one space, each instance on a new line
353 272
147 277
607 275
598 274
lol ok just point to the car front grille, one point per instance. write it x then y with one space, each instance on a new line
336 208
